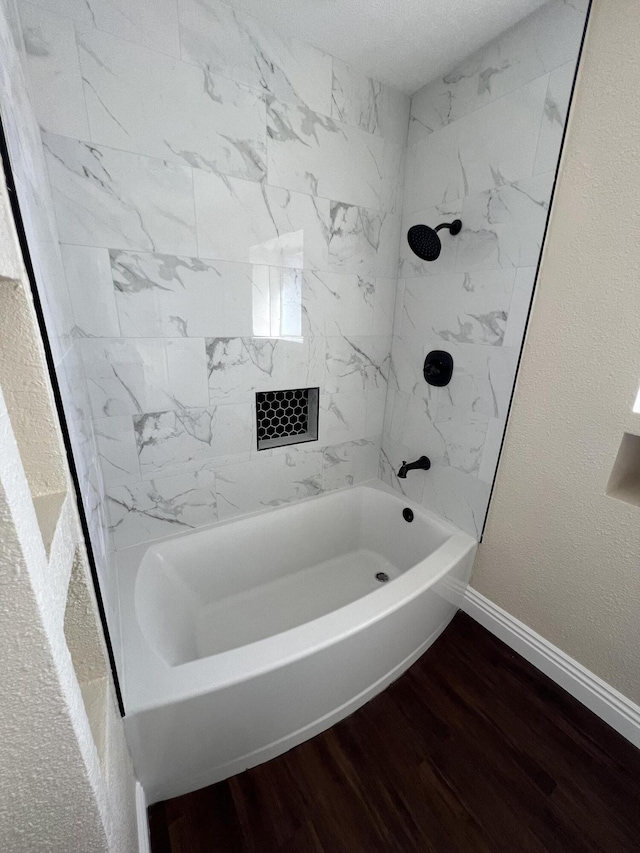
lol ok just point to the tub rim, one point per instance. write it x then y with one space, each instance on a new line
150 682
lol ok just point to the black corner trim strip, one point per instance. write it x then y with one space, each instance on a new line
26 256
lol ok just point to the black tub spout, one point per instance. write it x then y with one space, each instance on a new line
424 463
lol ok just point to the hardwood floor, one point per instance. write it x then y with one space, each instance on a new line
471 750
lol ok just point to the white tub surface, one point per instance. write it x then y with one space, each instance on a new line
244 639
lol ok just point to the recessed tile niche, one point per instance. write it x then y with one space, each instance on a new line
624 482
287 417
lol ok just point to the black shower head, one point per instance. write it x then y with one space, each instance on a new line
424 241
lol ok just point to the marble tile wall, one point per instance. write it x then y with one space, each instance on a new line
483 146
57 277
228 206
218 210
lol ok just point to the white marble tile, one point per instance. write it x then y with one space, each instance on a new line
83 445
128 376
357 363
482 375
493 146
117 452
269 482
10 29
394 117
238 367
356 99
460 498
376 402
349 463
491 451
363 241
342 417
540 43
519 308
413 423
393 172
466 308
392 456
161 507
339 304
384 308
173 296
36 201
97 522
390 397
92 490
399 300
229 42
309 152
504 227
192 439
256 223
20 125
407 359
464 437
482 379
430 109
150 104
147 24
54 295
410 264
277 302
446 435
73 386
114 199
54 72
554 118
90 286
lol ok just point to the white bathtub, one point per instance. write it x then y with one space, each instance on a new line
242 640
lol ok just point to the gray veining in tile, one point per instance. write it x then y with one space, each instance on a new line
116 199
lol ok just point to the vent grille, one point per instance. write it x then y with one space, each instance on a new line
286 417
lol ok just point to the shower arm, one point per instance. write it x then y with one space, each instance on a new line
448 225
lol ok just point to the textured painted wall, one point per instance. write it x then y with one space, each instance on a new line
228 205
483 147
558 553
56 795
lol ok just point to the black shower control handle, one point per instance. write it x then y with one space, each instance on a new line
438 368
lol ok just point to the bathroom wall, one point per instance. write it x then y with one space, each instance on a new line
67 783
228 206
36 205
483 146
558 553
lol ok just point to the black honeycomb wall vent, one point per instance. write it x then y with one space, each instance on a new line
286 417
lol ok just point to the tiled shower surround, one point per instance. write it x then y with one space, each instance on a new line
231 219
228 204
483 147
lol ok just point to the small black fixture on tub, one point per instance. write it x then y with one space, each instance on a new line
424 241
438 368
424 463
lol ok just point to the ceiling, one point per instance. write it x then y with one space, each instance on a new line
403 42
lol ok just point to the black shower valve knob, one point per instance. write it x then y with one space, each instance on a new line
438 368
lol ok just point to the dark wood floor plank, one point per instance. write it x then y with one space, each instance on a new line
471 751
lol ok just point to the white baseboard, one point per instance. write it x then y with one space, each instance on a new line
607 703
144 842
